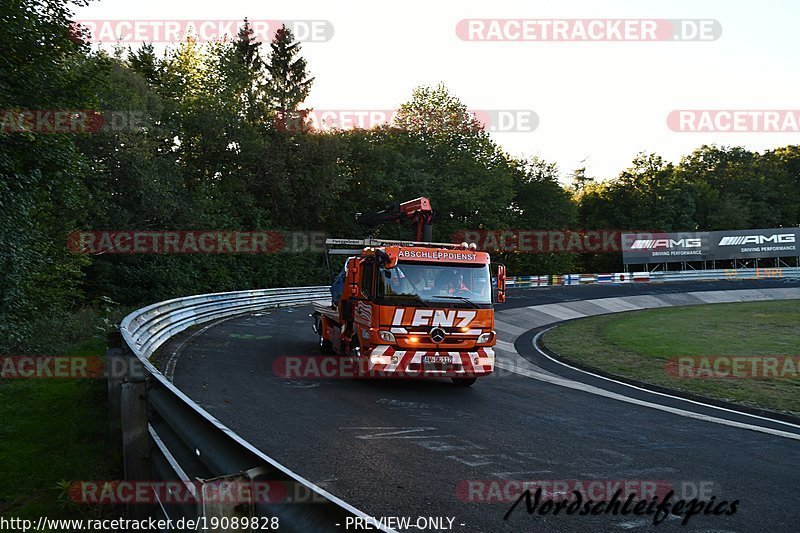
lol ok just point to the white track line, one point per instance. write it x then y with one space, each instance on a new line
664 394
169 368
563 382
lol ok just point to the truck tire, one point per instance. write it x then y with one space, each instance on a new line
464 382
355 347
325 346
359 372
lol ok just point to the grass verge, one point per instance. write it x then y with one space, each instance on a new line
640 344
53 432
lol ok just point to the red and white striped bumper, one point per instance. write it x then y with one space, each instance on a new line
386 361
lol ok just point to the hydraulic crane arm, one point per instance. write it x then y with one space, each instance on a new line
417 211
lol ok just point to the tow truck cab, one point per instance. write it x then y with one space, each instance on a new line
414 310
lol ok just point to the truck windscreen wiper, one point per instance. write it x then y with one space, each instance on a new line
462 298
414 297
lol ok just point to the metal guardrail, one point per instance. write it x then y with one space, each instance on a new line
167 437
723 274
657 276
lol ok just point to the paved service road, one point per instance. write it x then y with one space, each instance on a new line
405 448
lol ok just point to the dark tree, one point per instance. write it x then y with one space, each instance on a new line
145 62
289 83
248 48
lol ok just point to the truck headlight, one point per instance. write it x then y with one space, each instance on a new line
387 336
485 337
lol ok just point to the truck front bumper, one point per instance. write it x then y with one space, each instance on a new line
386 361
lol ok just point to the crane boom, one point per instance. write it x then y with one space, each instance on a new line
417 211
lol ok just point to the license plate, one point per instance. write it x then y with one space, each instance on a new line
437 359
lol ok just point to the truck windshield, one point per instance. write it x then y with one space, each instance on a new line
423 284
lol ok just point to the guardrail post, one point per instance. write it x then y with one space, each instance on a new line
115 359
135 439
212 501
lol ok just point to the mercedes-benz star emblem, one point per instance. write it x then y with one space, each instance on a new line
438 335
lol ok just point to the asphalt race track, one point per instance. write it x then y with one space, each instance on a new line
405 448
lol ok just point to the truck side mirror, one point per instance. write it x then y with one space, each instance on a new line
501 283
382 257
353 274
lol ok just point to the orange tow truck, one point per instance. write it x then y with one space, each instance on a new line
411 308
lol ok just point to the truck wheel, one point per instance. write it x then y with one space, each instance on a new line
359 371
355 347
464 382
325 346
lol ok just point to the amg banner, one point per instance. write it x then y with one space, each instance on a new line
640 248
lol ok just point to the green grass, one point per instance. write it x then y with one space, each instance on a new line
639 344
54 431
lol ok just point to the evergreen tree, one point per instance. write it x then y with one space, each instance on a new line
580 180
248 47
289 83
245 74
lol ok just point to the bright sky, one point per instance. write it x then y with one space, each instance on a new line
602 102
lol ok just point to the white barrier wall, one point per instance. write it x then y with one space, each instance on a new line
645 277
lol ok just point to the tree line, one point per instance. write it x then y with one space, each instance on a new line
211 150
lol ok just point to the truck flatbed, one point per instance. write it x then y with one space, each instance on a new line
325 308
